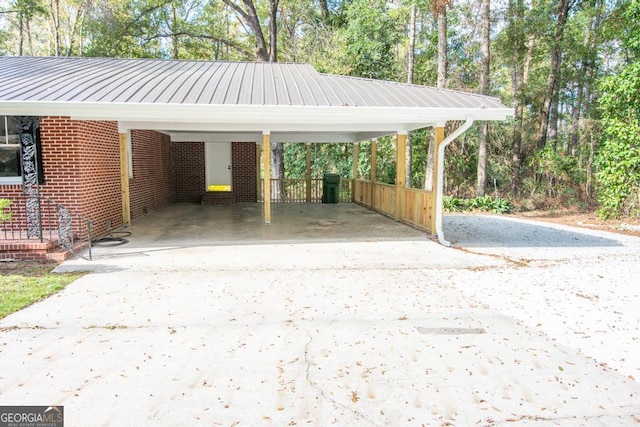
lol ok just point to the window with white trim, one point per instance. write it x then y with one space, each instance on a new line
10 169
12 146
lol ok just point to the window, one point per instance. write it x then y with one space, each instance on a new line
10 170
10 149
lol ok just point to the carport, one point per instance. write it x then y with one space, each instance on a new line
265 103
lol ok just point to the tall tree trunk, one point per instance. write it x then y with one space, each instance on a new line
484 90
441 13
575 115
21 35
250 18
273 30
175 40
411 56
442 48
54 6
521 63
554 73
586 76
554 114
410 68
78 23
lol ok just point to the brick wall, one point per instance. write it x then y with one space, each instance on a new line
81 161
60 152
188 171
99 176
151 186
243 159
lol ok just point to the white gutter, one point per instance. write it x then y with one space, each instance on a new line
448 140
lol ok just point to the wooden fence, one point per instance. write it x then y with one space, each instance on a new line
416 206
301 191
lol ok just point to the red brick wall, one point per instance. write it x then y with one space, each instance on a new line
100 174
243 159
81 161
188 171
151 185
60 159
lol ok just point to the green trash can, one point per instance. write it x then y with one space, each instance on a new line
330 188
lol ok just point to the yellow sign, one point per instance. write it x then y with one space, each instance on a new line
219 188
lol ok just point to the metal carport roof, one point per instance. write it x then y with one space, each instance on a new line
224 100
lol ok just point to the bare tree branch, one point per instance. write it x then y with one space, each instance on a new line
229 43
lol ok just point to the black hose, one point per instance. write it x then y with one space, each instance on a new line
115 238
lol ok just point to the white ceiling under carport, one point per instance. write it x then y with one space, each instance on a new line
230 101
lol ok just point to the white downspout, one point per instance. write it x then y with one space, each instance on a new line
448 140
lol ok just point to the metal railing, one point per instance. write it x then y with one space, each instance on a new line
41 219
302 191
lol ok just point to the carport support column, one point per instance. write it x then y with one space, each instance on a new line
266 165
258 167
374 161
438 137
124 177
401 172
356 156
308 173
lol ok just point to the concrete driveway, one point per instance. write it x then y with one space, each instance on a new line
522 323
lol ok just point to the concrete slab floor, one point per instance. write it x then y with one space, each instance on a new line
242 223
182 328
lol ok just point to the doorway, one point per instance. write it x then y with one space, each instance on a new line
217 166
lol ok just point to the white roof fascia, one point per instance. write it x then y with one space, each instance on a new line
244 116
257 137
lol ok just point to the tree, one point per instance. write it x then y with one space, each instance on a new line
369 39
562 12
439 8
618 159
410 70
484 90
249 17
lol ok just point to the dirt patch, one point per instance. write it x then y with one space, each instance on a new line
26 268
585 219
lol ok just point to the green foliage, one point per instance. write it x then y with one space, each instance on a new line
325 158
619 168
556 170
496 205
618 158
370 37
453 204
4 215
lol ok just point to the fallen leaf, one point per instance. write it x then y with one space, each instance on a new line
354 397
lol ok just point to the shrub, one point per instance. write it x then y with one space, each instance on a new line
496 205
4 216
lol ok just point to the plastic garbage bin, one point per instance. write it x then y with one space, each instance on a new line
330 188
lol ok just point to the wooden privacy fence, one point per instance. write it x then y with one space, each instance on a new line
302 190
416 207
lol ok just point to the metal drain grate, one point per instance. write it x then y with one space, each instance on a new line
451 331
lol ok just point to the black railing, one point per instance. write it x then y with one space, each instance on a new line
42 219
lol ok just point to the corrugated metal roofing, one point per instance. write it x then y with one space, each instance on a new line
148 81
